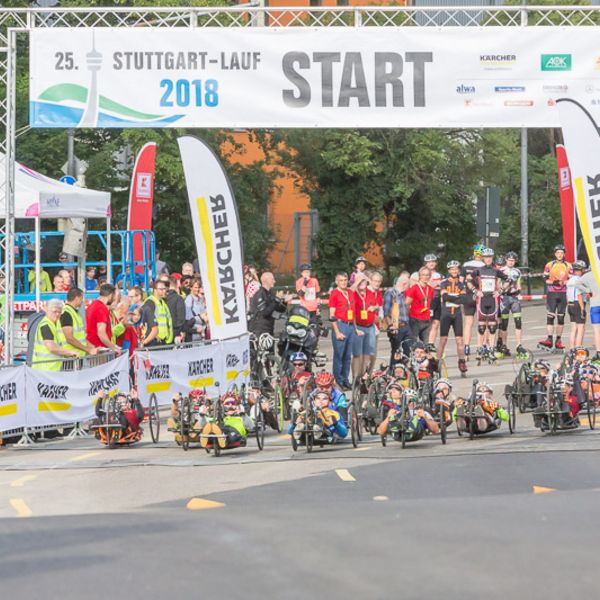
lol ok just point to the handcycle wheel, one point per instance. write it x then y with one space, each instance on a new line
259 428
404 422
512 414
521 385
591 406
216 447
371 406
472 423
353 422
384 440
279 402
285 393
185 420
153 418
309 433
443 431
112 433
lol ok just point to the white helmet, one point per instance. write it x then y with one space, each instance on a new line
265 341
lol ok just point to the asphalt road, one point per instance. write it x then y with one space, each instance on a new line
500 515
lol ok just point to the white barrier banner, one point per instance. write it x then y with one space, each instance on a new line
179 370
311 77
13 407
55 397
218 238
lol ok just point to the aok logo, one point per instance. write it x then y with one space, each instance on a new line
556 62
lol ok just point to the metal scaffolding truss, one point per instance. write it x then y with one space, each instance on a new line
15 21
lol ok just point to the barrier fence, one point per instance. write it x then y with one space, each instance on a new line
33 401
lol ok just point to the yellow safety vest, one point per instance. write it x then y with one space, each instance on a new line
162 315
42 357
78 330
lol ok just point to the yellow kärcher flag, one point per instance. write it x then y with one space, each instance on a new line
582 143
218 238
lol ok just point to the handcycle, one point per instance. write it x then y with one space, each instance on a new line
376 385
439 410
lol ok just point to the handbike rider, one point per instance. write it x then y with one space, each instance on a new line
131 415
487 414
419 423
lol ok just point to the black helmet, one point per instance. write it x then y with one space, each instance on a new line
512 255
559 247
500 260
305 267
419 345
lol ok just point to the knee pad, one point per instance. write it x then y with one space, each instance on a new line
492 327
550 319
504 324
481 328
518 322
560 319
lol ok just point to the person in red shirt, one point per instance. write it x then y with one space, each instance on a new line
98 321
342 311
418 300
375 285
367 309
308 289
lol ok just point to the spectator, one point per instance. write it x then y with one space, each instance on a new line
419 298
176 306
252 285
46 349
342 312
157 317
195 312
187 269
128 340
376 281
127 278
71 333
136 295
308 289
98 319
162 268
265 305
395 318
119 316
368 304
45 283
91 284
360 264
59 284
68 279
186 285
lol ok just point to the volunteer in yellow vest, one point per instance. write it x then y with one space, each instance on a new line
46 341
71 332
157 317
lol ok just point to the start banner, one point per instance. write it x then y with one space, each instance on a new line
13 407
215 367
55 397
311 77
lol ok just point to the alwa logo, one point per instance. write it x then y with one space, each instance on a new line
556 62
465 89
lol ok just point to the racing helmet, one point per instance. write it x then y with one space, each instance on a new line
418 346
541 364
298 357
395 385
430 258
559 247
324 379
567 380
579 265
411 395
512 255
400 366
440 382
500 260
265 341
487 252
484 388
452 264
581 351
360 259
478 249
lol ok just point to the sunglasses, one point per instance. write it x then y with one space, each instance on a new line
299 364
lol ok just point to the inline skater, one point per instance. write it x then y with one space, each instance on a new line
510 303
452 296
556 274
470 303
576 305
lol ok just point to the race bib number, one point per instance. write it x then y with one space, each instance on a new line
488 286
310 294
363 315
350 315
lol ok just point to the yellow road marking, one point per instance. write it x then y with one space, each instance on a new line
202 504
20 507
22 480
344 475
539 489
83 456
380 498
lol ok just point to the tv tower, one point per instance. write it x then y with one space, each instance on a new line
94 64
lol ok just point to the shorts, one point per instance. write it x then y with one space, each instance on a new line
576 315
510 304
595 315
469 307
454 321
487 310
420 329
556 303
364 345
436 307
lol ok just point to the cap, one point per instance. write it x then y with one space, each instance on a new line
177 276
305 267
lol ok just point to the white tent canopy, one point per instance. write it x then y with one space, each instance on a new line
39 196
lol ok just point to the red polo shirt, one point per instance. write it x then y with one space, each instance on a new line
97 312
364 301
422 296
344 302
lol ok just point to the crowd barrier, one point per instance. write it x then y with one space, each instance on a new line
212 365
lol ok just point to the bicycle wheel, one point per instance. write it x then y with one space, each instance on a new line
109 422
442 413
522 386
309 434
216 447
185 419
591 406
353 423
259 428
153 418
472 423
404 423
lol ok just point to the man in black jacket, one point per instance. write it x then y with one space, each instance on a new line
176 306
265 305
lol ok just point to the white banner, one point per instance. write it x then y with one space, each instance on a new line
582 143
218 238
311 77
13 407
55 397
215 367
